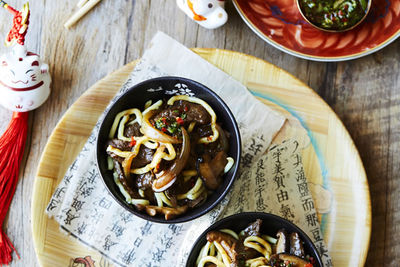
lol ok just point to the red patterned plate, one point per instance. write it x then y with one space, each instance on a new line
280 24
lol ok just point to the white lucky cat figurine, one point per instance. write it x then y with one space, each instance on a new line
24 80
208 13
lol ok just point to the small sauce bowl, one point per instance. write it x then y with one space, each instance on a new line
334 15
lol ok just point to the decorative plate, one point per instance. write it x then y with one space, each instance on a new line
280 24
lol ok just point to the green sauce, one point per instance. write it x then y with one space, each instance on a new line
334 14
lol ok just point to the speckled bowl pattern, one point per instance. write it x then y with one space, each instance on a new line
164 88
271 225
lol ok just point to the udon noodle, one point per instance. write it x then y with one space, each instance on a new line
169 157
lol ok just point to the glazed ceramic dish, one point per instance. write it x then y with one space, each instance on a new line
280 24
136 97
271 224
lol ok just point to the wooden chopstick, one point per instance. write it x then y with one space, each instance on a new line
81 12
81 3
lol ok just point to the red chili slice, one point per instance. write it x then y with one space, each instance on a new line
133 142
179 120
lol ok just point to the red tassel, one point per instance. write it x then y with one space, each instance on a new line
12 145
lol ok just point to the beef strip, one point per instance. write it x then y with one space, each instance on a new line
211 149
115 157
145 181
194 112
197 113
132 130
127 184
121 145
144 157
167 112
181 187
204 130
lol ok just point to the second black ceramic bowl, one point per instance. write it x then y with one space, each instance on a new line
164 88
270 226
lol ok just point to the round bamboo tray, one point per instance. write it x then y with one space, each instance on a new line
331 161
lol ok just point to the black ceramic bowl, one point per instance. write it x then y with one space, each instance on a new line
161 88
270 226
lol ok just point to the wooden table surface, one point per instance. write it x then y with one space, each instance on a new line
365 93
